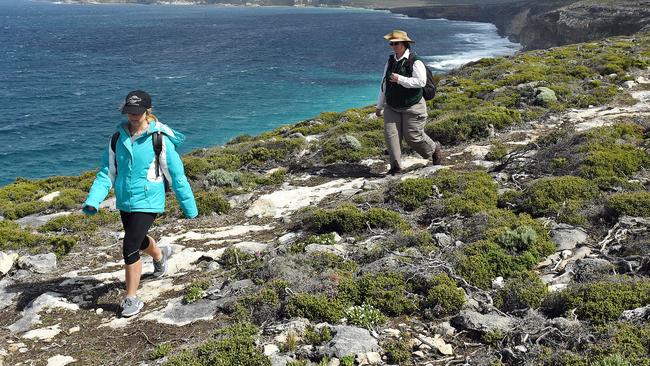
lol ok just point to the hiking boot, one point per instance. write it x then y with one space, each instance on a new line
394 171
160 267
131 306
436 157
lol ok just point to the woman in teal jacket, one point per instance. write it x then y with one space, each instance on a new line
131 167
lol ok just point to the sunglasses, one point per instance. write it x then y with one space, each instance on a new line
394 43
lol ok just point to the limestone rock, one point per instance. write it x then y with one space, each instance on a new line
38 220
30 317
60 360
567 236
40 263
368 358
109 204
43 333
477 322
7 261
271 349
638 314
178 314
50 197
351 341
336 249
442 239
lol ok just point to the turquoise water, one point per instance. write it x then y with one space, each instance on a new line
213 72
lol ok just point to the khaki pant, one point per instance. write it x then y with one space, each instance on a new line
409 124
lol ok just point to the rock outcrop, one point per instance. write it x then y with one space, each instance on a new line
546 24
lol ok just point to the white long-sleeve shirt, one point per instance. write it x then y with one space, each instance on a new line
418 80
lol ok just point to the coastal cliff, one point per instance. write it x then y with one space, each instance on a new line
540 25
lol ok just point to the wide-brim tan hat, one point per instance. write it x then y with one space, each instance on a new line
398 36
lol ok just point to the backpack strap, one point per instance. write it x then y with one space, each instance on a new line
114 139
156 139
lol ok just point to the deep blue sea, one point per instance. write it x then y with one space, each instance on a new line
213 72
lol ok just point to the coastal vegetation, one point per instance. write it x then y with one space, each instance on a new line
423 249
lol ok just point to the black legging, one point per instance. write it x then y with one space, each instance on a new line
136 225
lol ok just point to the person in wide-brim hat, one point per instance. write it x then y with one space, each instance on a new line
401 102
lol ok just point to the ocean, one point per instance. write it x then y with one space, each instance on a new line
214 72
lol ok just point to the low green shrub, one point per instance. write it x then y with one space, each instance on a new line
388 292
466 193
444 297
258 307
493 337
317 337
81 223
599 302
398 351
476 124
510 244
411 193
63 244
315 307
13 237
629 204
211 202
195 291
497 152
233 345
613 152
524 290
349 219
561 197
160 351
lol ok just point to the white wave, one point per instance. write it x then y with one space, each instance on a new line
479 46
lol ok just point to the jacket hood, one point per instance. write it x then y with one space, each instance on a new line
174 136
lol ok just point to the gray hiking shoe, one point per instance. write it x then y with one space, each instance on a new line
160 268
131 306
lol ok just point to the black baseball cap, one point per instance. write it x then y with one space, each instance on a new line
136 102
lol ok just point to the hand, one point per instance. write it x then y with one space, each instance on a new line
89 209
378 112
394 77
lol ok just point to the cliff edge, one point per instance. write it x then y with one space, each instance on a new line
549 24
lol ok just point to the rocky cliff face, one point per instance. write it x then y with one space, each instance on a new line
548 24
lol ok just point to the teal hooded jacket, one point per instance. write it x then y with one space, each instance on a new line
137 189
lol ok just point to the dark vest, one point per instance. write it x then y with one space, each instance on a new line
398 96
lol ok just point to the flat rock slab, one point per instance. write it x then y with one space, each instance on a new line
483 323
216 233
60 360
40 263
351 341
176 313
7 261
36 220
43 334
281 203
568 237
6 296
30 314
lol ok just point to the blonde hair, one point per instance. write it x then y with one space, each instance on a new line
151 116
